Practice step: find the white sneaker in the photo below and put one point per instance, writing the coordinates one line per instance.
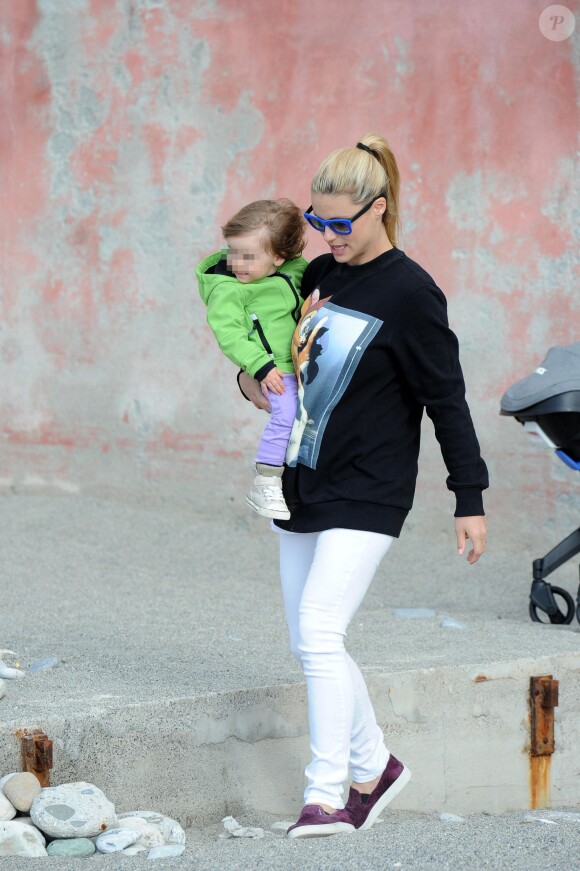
(266, 495)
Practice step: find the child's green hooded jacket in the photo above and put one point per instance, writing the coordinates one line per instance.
(253, 323)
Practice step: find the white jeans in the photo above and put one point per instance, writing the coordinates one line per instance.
(325, 576)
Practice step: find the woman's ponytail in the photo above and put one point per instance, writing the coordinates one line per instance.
(381, 150)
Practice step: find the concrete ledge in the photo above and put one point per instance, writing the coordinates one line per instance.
(464, 732)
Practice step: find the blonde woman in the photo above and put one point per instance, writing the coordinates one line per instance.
(382, 354)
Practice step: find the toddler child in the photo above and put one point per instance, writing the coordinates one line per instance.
(253, 304)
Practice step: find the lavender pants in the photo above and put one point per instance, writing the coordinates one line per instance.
(274, 441)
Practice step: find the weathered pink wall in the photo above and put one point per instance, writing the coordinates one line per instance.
(131, 128)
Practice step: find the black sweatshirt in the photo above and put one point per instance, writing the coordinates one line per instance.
(373, 348)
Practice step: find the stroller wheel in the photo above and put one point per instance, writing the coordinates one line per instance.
(539, 615)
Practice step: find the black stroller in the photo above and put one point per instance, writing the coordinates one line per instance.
(547, 403)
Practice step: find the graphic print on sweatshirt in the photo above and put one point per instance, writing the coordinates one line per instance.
(327, 345)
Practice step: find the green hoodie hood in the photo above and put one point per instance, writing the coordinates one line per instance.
(253, 323)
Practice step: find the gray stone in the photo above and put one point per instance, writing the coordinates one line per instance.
(166, 851)
(21, 790)
(7, 809)
(232, 829)
(26, 821)
(115, 840)
(7, 673)
(170, 829)
(19, 840)
(149, 834)
(73, 810)
(452, 623)
(43, 664)
(5, 779)
(71, 847)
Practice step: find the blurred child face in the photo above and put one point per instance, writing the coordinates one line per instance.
(248, 259)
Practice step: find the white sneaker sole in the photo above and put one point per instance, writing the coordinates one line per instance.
(386, 798)
(268, 512)
(320, 831)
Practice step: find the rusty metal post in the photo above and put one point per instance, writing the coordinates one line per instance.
(36, 754)
(543, 700)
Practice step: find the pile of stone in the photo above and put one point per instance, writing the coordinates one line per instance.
(77, 819)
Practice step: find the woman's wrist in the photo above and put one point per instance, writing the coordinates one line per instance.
(240, 373)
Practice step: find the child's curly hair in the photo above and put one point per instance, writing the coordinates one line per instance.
(282, 224)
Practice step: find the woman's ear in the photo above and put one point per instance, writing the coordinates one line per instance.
(380, 206)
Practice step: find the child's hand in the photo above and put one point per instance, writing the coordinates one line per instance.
(274, 382)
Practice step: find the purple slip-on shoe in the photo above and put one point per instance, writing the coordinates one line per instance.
(314, 822)
(393, 779)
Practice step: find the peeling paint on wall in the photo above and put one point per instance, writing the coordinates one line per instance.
(133, 128)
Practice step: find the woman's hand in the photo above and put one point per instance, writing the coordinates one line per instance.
(252, 391)
(273, 381)
(475, 529)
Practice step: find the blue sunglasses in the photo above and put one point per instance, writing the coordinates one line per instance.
(340, 226)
